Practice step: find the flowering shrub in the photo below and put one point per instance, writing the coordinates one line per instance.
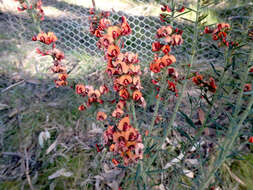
(136, 146)
(125, 72)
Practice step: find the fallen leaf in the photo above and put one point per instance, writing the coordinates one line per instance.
(61, 172)
(201, 115)
(43, 136)
(188, 173)
(174, 161)
(3, 106)
(52, 146)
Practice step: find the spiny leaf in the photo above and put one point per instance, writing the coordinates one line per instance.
(183, 133)
(188, 120)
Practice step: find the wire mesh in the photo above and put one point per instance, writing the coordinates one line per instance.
(69, 20)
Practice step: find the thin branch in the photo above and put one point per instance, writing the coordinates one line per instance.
(27, 170)
(11, 86)
(94, 4)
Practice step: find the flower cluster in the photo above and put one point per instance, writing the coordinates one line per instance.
(169, 37)
(57, 56)
(251, 139)
(123, 68)
(206, 85)
(247, 87)
(166, 8)
(37, 7)
(124, 140)
(94, 95)
(220, 34)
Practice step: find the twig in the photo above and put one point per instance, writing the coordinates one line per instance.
(11, 86)
(94, 4)
(12, 154)
(234, 176)
(27, 171)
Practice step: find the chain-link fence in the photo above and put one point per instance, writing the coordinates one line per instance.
(69, 20)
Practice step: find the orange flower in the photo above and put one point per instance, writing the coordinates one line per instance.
(117, 113)
(125, 80)
(223, 26)
(172, 86)
(95, 94)
(251, 69)
(139, 150)
(197, 79)
(122, 67)
(181, 9)
(168, 59)
(103, 89)
(116, 85)
(124, 124)
(161, 63)
(46, 38)
(134, 69)
(119, 138)
(23, 7)
(114, 32)
(154, 67)
(115, 162)
(60, 83)
(137, 95)
(165, 8)
(42, 53)
(112, 148)
(158, 119)
(124, 93)
(98, 34)
(88, 89)
(80, 89)
(247, 88)
(156, 46)
(251, 139)
(99, 149)
(101, 116)
(110, 70)
(207, 30)
(125, 28)
(172, 72)
(155, 82)
(164, 31)
(120, 105)
(131, 58)
(81, 107)
(166, 49)
(137, 82)
(108, 134)
(104, 23)
(177, 39)
(58, 69)
(113, 51)
(105, 41)
(62, 76)
(212, 87)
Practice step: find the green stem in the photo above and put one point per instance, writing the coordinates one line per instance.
(194, 47)
(215, 97)
(234, 129)
(226, 149)
(35, 20)
(134, 114)
(163, 82)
